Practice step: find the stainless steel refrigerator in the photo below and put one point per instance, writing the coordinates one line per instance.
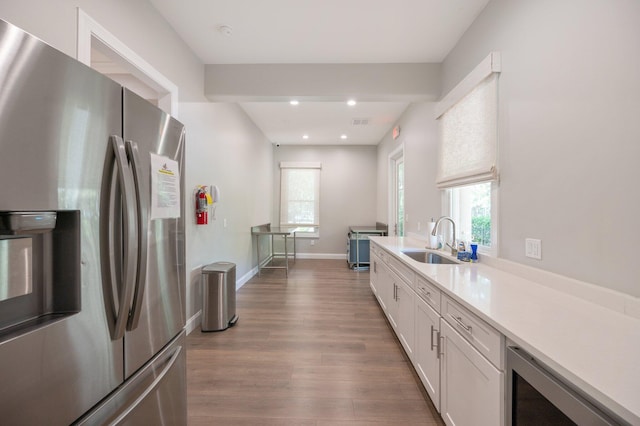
(91, 246)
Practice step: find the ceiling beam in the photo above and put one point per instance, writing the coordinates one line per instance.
(323, 82)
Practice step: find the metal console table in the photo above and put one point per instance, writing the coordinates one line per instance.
(284, 232)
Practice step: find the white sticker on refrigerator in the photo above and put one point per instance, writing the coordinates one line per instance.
(165, 188)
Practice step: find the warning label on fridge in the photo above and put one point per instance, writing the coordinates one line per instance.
(165, 188)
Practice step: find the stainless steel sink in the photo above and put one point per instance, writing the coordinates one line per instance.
(428, 257)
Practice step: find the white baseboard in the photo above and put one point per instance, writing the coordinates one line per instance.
(329, 256)
(246, 277)
(193, 322)
(326, 256)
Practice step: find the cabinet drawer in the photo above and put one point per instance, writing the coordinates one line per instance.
(383, 255)
(486, 339)
(428, 292)
(405, 272)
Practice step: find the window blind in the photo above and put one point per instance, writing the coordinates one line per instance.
(299, 194)
(468, 137)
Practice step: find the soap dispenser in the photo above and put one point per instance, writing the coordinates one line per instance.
(474, 252)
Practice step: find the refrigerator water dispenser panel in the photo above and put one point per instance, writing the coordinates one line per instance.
(39, 269)
(15, 267)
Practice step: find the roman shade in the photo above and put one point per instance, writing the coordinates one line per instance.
(467, 124)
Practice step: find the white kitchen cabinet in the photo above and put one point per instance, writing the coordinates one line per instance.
(404, 312)
(427, 360)
(373, 272)
(458, 356)
(471, 387)
(391, 294)
(484, 338)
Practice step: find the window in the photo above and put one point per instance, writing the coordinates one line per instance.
(473, 209)
(467, 171)
(300, 196)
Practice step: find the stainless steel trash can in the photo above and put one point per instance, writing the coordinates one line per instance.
(218, 296)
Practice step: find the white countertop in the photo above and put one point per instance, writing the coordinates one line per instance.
(595, 348)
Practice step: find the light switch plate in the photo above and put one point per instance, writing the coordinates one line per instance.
(533, 248)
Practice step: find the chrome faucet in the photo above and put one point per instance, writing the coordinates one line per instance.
(454, 250)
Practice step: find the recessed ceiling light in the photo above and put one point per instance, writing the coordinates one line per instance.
(343, 136)
(351, 102)
(305, 136)
(294, 102)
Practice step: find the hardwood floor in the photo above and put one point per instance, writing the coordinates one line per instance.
(313, 349)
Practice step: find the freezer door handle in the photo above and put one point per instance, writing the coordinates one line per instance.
(111, 245)
(142, 227)
(152, 387)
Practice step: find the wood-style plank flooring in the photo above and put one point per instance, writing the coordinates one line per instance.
(313, 349)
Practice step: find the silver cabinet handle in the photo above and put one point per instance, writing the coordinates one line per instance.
(461, 323)
(425, 292)
(440, 345)
(433, 345)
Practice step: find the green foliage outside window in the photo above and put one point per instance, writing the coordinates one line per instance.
(481, 230)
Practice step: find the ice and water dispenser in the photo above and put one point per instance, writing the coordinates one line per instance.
(39, 268)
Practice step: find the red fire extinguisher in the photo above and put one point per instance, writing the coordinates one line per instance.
(202, 213)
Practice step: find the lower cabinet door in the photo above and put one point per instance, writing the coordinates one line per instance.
(427, 360)
(471, 387)
(391, 294)
(405, 301)
(373, 273)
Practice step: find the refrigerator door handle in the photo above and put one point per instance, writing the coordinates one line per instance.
(141, 277)
(128, 274)
(156, 382)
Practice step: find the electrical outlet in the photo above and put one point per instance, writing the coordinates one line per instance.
(418, 225)
(312, 242)
(533, 248)
(224, 223)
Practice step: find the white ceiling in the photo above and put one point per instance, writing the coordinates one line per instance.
(321, 31)
(324, 122)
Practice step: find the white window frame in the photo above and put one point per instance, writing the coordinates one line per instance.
(489, 66)
(394, 156)
(447, 210)
(312, 166)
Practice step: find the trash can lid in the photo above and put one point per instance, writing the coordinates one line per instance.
(218, 267)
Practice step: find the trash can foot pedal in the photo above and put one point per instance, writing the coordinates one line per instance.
(233, 321)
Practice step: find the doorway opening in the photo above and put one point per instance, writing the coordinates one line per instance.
(102, 51)
(396, 193)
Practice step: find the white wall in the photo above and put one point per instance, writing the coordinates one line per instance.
(347, 193)
(418, 136)
(569, 132)
(135, 23)
(226, 149)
